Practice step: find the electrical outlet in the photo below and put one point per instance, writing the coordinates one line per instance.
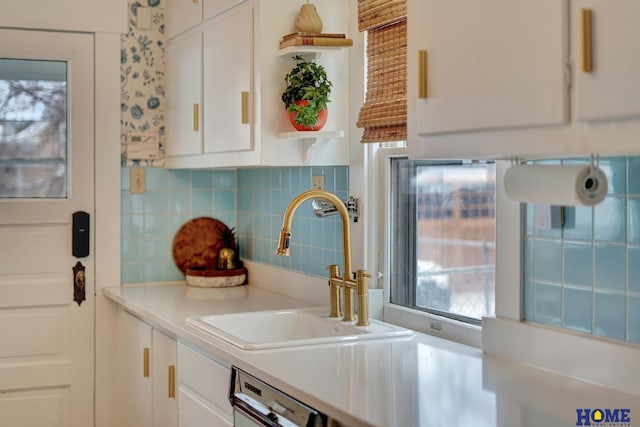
(317, 182)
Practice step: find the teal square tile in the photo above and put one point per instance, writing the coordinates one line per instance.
(611, 267)
(246, 201)
(634, 269)
(578, 261)
(225, 179)
(202, 203)
(277, 177)
(179, 202)
(124, 178)
(201, 179)
(528, 219)
(578, 309)
(155, 272)
(529, 300)
(243, 179)
(131, 203)
(296, 184)
(329, 179)
(132, 273)
(132, 226)
(317, 233)
(173, 273)
(305, 178)
(156, 250)
(179, 179)
(615, 169)
(155, 203)
(634, 220)
(633, 170)
(528, 258)
(578, 222)
(228, 218)
(548, 261)
(156, 226)
(634, 319)
(548, 309)
(156, 179)
(342, 178)
(224, 200)
(609, 312)
(132, 250)
(610, 220)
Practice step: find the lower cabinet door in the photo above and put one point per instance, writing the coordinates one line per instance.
(195, 413)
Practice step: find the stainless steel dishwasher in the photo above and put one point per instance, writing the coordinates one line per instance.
(256, 403)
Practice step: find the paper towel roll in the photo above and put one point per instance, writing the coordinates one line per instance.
(556, 185)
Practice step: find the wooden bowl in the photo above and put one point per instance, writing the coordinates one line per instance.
(206, 278)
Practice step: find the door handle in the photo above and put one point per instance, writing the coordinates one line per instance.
(586, 21)
(79, 282)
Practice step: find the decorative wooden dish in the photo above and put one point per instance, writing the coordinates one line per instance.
(198, 242)
(208, 278)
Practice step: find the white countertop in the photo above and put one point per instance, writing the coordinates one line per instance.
(421, 381)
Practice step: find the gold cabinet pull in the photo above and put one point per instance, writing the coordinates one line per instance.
(422, 74)
(172, 381)
(195, 1)
(586, 20)
(196, 117)
(245, 107)
(145, 362)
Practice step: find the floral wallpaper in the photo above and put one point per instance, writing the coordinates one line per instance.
(142, 66)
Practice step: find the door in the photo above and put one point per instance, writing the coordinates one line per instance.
(184, 115)
(494, 64)
(46, 168)
(610, 91)
(227, 81)
(163, 369)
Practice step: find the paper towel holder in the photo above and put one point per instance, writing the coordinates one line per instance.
(584, 184)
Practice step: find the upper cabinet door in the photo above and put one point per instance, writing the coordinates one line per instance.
(184, 111)
(611, 90)
(493, 64)
(182, 15)
(215, 7)
(227, 85)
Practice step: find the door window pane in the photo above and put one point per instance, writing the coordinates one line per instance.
(33, 129)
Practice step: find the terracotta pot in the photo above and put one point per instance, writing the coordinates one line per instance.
(322, 119)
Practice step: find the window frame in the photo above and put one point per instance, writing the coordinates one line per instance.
(381, 229)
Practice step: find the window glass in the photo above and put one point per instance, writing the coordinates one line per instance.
(443, 237)
(33, 129)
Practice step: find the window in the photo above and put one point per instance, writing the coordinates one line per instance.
(33, 129)
(442, 237)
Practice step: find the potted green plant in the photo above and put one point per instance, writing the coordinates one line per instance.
(307, 94)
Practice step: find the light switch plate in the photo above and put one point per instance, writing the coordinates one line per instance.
(137, 180)
(317, 182)
(143, 18)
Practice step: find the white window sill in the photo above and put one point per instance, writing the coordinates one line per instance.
(432, 324)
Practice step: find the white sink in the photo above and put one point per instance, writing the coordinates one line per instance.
(289, 328)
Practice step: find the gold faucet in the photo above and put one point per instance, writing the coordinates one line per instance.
(336, 281)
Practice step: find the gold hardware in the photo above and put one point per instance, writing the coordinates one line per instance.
(335, 280)
(172, 381)
(586, 20)
(145, 362)
(362, 287)
(245, 107)
(195, 1)
(422, 74)
(196, 117)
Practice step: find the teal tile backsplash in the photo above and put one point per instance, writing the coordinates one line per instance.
(150, 220)
(586, 276)
(252, 200)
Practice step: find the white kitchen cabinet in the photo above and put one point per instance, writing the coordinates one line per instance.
(241, 88)
(227, 66)
(612, 90)
(146, 375)
(184, 113)
(503, 78)
(203, 389)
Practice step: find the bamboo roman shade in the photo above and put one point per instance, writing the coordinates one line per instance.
(384, 113)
